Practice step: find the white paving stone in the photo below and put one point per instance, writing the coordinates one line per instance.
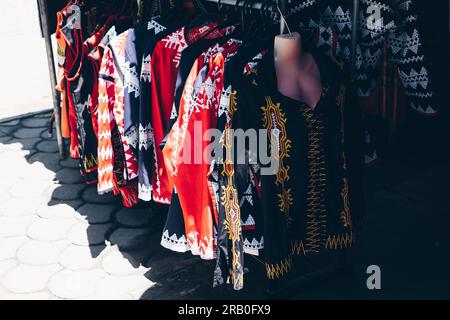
(50, 230)
(116, 287)
(81, 257)
(9, 246)
(5, 185)
(96, 213)
(69, 284)
(6, 265)
(9, 145)
(118, 264)
(17, 226)
(37, 172)
(26, 143)
(38, 253)
(137, 294)
(30, 189)
(29, 279)
(133, 217)
(43, 295)
(19, 207)
(59, 211)
(84, 234)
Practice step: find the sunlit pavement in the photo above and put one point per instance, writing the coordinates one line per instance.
(25, 82)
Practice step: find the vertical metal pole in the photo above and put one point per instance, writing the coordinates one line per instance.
(51, 67)
(355, 34)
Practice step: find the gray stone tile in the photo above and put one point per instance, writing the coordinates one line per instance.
(45, 115)
(130, 217)
(39, 253)
(121, 264)
(7, 130)
(29, 279)
(47, 146)
(68, 192)
(36, 122)
(91, 195)
(9, 246)
(96, 213)
(26, 144)
(50, 230)
(69, 176)
(44, 135)
(27, 133)
(70, 284)
(130, 239)
(81, 257)
(70, 163)
(11, 123)
(4, 140)
(50, 160)
(17, 226)
(83, 234)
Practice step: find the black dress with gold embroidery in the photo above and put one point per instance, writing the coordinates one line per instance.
(305, 204)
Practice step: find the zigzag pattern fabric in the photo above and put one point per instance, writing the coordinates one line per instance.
(394, 21)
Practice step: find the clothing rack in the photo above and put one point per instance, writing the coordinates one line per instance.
(45, 29)
(46, 34)
(282, 5)
(44, 20)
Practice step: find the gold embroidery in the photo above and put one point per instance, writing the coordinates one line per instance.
(286, 200)
(345, 214)
(316, 210)
(275, 271)
(298, 247)
(275, 122)
(90, 162)
(339, 241)
(229, 199)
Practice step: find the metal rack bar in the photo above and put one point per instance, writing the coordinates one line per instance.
(43, 14)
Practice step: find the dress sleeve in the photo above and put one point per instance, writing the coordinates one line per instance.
(105, 107)
(407, 52)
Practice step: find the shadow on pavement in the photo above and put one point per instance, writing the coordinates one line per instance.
(406, 232)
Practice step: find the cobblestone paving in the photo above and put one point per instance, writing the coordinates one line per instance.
(60, 240)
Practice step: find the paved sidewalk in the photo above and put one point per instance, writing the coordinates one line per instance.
(60, 240)
(23, 60)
